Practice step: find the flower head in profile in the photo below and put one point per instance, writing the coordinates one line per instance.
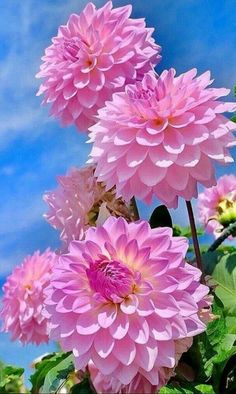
(161, 136)
(122, 297)
(217, 205)
(79, 202)
(23, 299)
(95, 54)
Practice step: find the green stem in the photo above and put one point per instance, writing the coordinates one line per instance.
(194, 236)
(230, 230)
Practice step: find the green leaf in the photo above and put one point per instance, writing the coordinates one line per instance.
(233, 118)
(58, 374)
(186, 231)
(187, 388)
(206, 346)
(160, 217)
(224, 367)
(83, 387)
(50, 365)
(210, 260)
(230, 324)
(224, 276)
(10, 379)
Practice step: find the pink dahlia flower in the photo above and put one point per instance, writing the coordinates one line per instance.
(79, 202)
(161, 136)
(122, 297)
(95, 54)
(217, 205)
(23, 299)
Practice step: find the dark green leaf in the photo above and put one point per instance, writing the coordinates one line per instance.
(160, 217)
(224, 276)
(210, 260)
(233, 118)
(224, 367)
(83, 387)
(44, 367)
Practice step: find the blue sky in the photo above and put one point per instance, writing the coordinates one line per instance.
(33, 147)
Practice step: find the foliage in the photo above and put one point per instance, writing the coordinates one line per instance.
(186, 231)
(11, 379)
(83, 387)
(212, 358)
(187, 388)
(224, 276)
(51, 372)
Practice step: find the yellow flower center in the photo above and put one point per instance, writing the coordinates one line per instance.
(226, 210)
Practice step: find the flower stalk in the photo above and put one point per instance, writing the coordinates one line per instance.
(194, 236)
(230, 230)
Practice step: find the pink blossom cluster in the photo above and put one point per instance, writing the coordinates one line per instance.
(121, 296)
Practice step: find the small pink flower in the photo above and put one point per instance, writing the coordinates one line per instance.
(23, 299)
(161, 136)
(122, 297)
(217, 205)
(79, 202)
(95, 54)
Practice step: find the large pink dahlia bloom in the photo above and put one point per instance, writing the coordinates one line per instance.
(122, 297)
(79, 202)
(23, 299)
(217, 205)
(95, 54)
(161, 136)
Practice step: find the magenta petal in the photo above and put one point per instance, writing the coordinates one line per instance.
(165, 305)
(160, 328)
(166, 353)
(147, 355)
(129, 306)
(182, 120)
(120, 326)
(87, 324)
(125, 350)
(87, 97)
(106, 315)
(125, 375)
(105, 365)
(103, 343)
(149, 174)
(139, 330)
(173, 141)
